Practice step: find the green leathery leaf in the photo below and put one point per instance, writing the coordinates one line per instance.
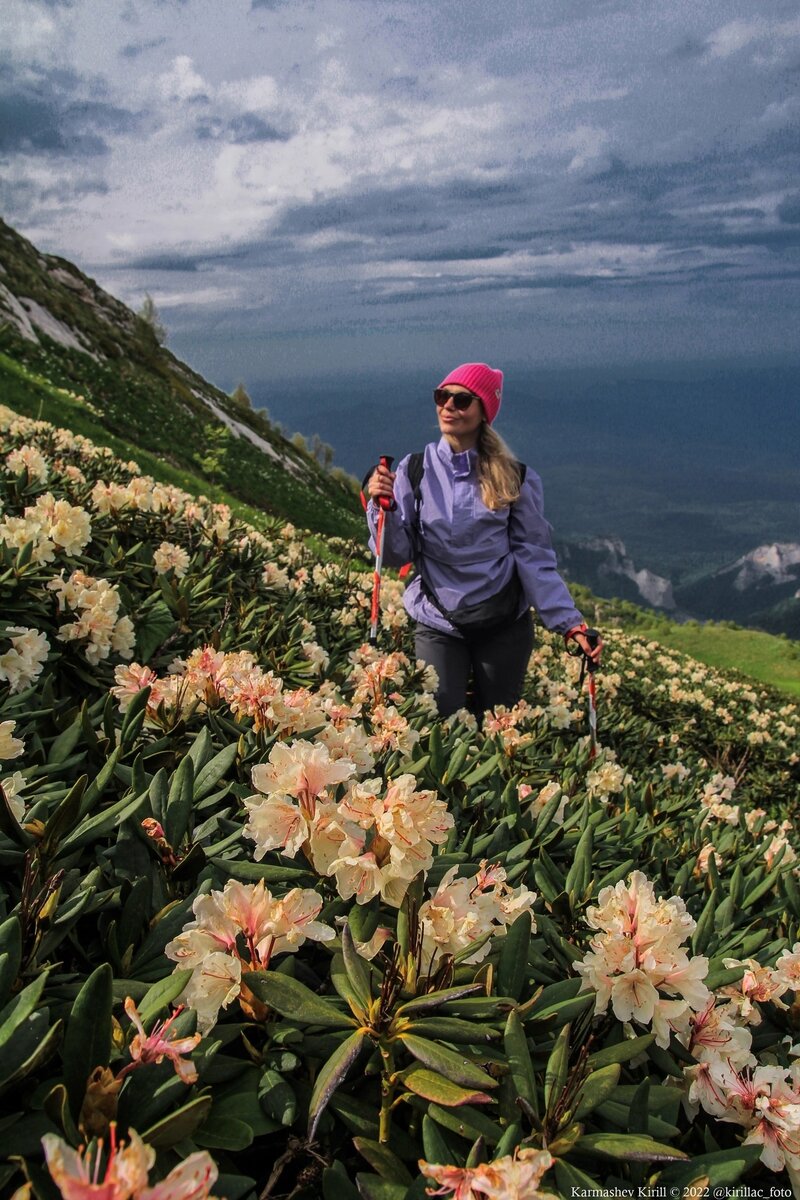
(336, 1184)
(10, 954)
(66, 742)
(574, 1182)
(179, 802)
(452, 1029)
(87, 1040)
(99, 784)
(20, 1008)
(456, 761)
(383, 1160)
(200, 750)
(440, 1090)
(436, 750)
(719, 1167)
(161, 994)
(158, 795)
(178, 1125)
(513, 965)
(373, 1187)
(434, 1000)
(294, 1000)
(207, 778)
(133, 719)
(721, 977)
(467, 1122)
(332, 1074)
(630, 1147)
(519, 1060)
(447, 1062)
(621, 1052)
(43, 1049)
(357, 970)
(56, 1105)
(596, 1088)
(102, 823)
(555, 1075)
(277, 1097)
(579, 874)
(705, 925)
(64, 817)
(434, 1144)
(483, 771)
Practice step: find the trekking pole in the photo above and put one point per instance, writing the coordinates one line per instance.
(592, 637)
(384, 505)
(588, 664)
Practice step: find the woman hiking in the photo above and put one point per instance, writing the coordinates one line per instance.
(470, 517)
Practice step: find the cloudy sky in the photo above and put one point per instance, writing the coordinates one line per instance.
(311, 185)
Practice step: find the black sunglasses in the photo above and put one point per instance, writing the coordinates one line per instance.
(461, 400)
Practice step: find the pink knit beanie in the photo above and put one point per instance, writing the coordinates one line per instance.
(484, 381)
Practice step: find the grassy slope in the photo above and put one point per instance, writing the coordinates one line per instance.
(762, 656)
(773, 660)
(35, 396)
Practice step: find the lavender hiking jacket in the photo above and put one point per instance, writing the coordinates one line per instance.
(467, 551)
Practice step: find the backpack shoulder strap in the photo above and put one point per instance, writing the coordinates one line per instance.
(416, 469)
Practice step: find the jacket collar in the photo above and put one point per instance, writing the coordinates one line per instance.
(462, 462)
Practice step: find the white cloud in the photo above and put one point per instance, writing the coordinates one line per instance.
(251, 95)
(182, 82)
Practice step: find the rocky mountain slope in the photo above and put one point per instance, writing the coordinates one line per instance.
(62, 328)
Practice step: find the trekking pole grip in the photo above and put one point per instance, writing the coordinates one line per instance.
(593, 637)
(386, 461)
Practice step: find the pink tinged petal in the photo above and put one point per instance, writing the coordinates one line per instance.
(633, 997)
(193, 1179)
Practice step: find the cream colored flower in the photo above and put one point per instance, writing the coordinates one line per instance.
(10, 747)
(22, 664)
(170, 557)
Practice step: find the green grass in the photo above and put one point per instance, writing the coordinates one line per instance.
(773, 660)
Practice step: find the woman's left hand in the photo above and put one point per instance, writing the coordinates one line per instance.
(592, 652)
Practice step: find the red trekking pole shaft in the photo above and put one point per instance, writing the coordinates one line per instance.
(384, 505)
(592, 637)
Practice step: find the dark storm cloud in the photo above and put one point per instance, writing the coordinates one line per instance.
(239, 130)
(788, 210)
(369, 212)
(32, 126)
(135, 49)
(49, 115)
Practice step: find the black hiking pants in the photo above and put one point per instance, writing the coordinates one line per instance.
(494, 664)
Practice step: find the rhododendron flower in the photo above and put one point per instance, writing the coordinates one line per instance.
(169, 557)
(96, 605)
(514, 1177)
(30, 460)
(22, 664)
(304, 770)
(787, 969)
(757, 986)
(10, 747)
(607, 780)
(713, 1036)
(12, 785)
(636, 962)
(157, 1045)
(240, 928)
(464, 911)
(76, 1173)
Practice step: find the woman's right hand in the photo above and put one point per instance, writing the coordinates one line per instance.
(381, 484)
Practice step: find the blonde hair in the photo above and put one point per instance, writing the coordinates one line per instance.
(498, 470)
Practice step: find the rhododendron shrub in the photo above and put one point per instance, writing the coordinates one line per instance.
(266, 922)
